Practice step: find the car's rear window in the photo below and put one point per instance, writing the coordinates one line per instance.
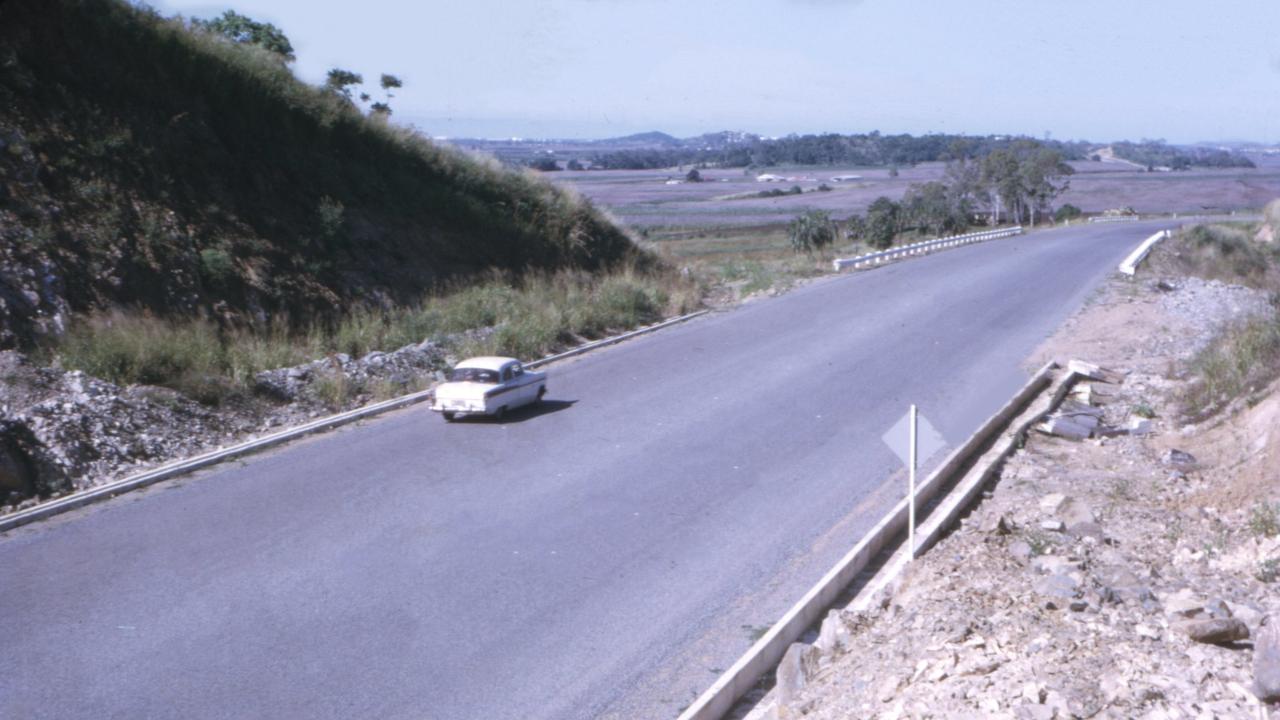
(475, 375)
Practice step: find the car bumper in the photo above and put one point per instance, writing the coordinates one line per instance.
(459, 407)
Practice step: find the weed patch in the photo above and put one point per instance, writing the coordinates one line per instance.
(1240, 359)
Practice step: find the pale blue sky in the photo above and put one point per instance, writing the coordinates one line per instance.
(1093, 69)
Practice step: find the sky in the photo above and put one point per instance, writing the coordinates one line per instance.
(1099, 70)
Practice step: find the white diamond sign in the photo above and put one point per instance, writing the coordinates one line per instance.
(928, 440)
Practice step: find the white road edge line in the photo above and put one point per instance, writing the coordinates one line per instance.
(181, 467)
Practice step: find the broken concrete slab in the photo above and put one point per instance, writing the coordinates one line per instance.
(1094, 372)
(1064, 428)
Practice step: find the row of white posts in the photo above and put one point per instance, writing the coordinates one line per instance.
(922, 247)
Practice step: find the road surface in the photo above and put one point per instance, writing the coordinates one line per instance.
(604, 556)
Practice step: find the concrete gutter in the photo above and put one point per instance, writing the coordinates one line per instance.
(966, 490)
(182, 467)
(765, 654)
(1130, 264)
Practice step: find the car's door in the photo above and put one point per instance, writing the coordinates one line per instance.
(507, 391)
(528, 391)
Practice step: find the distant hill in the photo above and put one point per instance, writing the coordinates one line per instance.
(144, 164)
(646, 138)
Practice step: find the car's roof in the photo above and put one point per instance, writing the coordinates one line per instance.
(486, 362)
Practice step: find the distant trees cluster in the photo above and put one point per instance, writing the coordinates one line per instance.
(544, 163)
(1017, 183)
(875, 149)
(1157, 153)
(871, 149)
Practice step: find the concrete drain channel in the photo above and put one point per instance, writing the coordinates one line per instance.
(881, 555)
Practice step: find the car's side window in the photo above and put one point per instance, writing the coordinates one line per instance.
(517, 370)
(506, 373)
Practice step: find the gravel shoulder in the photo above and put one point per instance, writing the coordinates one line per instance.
(1121, 577)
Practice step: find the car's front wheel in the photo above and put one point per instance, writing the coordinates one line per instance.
(448, 416)
(542, 392)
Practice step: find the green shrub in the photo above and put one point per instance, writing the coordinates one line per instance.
(216, 265)
(811, 231)
(1264, 519)
(1067, 212)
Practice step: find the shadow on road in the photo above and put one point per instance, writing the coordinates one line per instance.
(519, 415)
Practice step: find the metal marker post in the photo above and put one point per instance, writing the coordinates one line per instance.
(911, 490)
(912, 438)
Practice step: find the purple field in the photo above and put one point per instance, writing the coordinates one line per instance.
(642, 198)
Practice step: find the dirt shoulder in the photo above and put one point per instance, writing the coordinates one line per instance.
(1107, 577)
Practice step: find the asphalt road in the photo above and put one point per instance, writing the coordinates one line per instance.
(607, 555)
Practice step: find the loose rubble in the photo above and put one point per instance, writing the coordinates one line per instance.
(1112, 571)
(62, 431)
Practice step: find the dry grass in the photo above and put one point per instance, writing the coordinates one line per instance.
(523, 317)
(1244, 357)
(1240, 361)
(1225, 252)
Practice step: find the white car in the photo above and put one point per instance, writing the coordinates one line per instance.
(488, 386)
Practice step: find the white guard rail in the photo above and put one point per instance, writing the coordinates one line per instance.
(922, 247)
(1130, 264)
(1114, 218)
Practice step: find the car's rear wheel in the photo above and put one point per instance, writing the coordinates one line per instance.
(500, 414)
(448, 416)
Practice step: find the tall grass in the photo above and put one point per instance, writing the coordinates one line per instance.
(1241, 359)
(1225, 252)
(519, 316)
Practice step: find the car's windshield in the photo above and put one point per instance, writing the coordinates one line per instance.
(475, 375)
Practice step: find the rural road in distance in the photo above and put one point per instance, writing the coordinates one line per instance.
(606, 556)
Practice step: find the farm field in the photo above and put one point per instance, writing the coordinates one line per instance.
(726, 199)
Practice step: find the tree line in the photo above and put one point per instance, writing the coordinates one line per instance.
(1158, 153)
(1013, 184)
(874, 149)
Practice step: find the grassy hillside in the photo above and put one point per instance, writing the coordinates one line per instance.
(146, 166)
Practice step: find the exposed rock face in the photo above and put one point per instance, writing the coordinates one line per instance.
(33, 300)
